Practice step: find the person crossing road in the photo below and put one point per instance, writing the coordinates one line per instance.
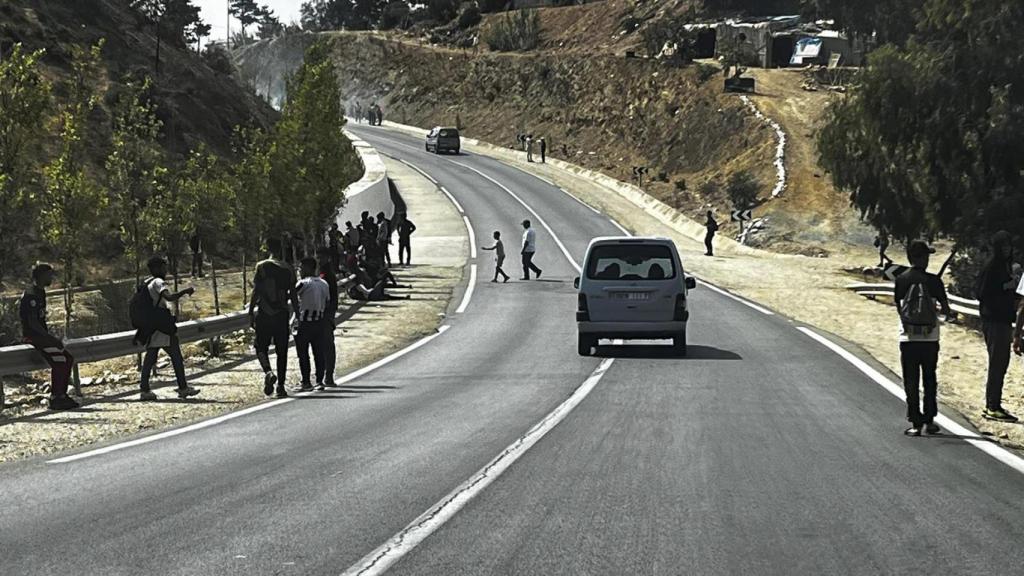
(528, 251)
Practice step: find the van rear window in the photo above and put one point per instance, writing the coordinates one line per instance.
(631, 262)
(449, 133)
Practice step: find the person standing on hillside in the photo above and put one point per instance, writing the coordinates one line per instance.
(313, 295)
(405, 231)
(35, 332)
(916, 294)
(499, 256)
(712, 227)
(995, 292)
(161, 296)
(529, 249)
(273, 297)
(543, 150)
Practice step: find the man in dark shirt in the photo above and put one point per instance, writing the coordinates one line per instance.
(330, 322)
(996, 296)
(273, 297)
(712, 227)
(919, 343)
(405, 231)
(32, 312)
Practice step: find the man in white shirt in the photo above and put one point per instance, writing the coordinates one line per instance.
(161, 296)
(529, 248)
(313, 295)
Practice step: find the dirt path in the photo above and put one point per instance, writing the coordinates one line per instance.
(234, 380)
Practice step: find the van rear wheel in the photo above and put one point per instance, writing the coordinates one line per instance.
(679, 344)
(585, 345)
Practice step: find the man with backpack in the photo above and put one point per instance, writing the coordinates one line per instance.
(32, 312)
(996, 298)
(273, 298)
(157, 328)
(314, 296)
(709, 238)
(917, 292)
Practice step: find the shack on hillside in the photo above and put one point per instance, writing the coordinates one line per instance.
(776, 42)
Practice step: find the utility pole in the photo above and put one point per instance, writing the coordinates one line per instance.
(227, 36)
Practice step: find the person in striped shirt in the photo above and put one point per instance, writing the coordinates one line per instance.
(313, 298)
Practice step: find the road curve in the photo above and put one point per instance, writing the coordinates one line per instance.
(762, 452)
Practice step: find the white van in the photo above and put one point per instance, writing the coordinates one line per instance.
(632, 288)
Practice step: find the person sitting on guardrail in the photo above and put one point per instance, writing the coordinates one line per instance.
(330, 319)
(273, 297)
(995, 292)
(313, 295)
(916, 295)
(165, 335)
(35, 332)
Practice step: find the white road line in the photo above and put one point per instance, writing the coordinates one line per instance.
(576, 198)
(472, 237)
(378, 561)
(240, 413)
(416, 168)
(454, 201)
(554, 236)
(469, 290)
(980, 442)
(620, 227)
(760, 309)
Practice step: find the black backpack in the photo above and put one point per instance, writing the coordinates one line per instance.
(146, 315)
(917, 310)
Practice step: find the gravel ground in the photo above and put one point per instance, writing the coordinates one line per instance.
(234, 380)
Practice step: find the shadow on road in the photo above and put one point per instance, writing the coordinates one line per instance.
(655, 352)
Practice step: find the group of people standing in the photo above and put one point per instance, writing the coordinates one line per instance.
(526, 143)
(372, 114)
(527, 251)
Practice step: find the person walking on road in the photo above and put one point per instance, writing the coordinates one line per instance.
(273, 298)
(916, 294)
(995, 290)
(712, 227)
(543, 150)
(330, 320)
(163, 337)
(529, 249)
(406, 228)
(499, 257)
(313, 295)
(35, 332)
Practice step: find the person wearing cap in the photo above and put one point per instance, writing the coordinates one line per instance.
(996, 298)
(161, 296)
(917, 291)
(34, 331)
(529, 249)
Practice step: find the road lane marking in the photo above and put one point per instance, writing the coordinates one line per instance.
(378, 561)
(231, 416)
(727, 294)
(576, 198)
(620, 227)
(987, 446)
(454, 201)
(554, 236)
(472, 237)
(469, 290)
(416, 168)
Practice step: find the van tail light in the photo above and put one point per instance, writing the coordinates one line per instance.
(681, 314)
(582, 311)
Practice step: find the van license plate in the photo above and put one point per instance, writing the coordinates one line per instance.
(631, 295)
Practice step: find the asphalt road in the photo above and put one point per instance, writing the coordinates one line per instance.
(760, 453)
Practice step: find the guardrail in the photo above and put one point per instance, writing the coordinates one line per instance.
(957, 304)
(24, 358)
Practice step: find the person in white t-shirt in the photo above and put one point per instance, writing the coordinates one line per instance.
(313, 296)
(162, 296)
(529, 249)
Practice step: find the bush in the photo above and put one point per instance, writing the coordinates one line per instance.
(514, 31)
(742, 190)
(469, 17)
(706, 72)
(395, 15)
(443, 11)
(488, 6)
(218, 59)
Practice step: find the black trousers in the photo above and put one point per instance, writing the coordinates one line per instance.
(404, 248)
(149, 361)
(330, 352)
(919, 361)
(709, 243)
(311, 335)
(273, 329)
(529, 265)
(998, 337)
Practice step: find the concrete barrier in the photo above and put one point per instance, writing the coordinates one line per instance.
(371, 192)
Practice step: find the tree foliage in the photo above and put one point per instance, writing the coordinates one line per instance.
(25, 102)
(891, 20)
(931, 141)
(514, 31)
(742, 190)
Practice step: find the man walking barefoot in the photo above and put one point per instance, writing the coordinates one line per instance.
(499, 256)
(529, 249)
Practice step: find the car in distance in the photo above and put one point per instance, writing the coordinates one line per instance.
(632, 288)
(443, 140)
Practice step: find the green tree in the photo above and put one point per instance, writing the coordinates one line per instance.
(892, 21)
(24, 105)
(248, 12)
(71, 200)
(134, 166)
(254, 206)
(394, 15)
(270, 25)
(312, 162)
(742, 190)
(931, 141)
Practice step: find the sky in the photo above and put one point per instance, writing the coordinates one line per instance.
(215, 13)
